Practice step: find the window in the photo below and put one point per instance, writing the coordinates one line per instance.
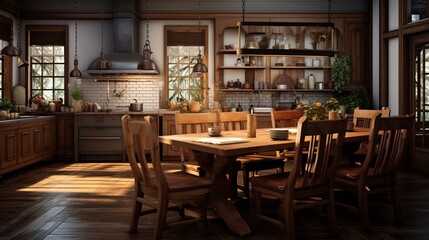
(417, 10)
(183, 43)
(1, 71)
(48, 54)
(47, 71)
(5, 61)
(422, 97)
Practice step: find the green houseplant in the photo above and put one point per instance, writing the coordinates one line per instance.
(356, 98)
(76, 96)
(341, 69)
(5, 104)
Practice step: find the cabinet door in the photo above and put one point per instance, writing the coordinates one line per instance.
(25, 141)
(49, 143)
(65, 137)
(30, 143)
(37, 149)
(9, 149)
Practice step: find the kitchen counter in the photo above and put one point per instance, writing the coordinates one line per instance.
(24, 119)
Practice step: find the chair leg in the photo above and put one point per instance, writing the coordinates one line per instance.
(396, 203)
(160, 218)
(203, 209)
(257, 197)
(332, 214)
(246, 183)
(135, 215)
(289, 220)
(363, 208)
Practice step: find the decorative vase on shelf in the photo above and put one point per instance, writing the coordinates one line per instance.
(3, 114)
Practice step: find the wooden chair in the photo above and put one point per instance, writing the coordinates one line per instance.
(282, 119)
(362, 118)
(153, 187)
(285, 118)
(378, 174)
(193, 123)
(308, 184)
(252, 163)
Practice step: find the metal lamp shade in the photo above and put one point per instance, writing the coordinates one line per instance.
(10, 50)
(147, 63)
(22, 62)
(75, 72)
(199, 67)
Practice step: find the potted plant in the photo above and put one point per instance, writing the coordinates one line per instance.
(341, 69)
(357, 98)
(5, 107)
(76, 99)
(197, 95)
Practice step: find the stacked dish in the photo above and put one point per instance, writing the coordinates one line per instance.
(279, 133)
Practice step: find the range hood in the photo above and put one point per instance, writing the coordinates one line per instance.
(125, 59)
(122, 64)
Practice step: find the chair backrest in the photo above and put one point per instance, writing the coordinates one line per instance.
(194, 122)
(387, 141)
(232, 120)
(323, 140)
(138, 136)
(285, 118)
(362, 117)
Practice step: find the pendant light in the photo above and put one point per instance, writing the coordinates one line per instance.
(103, 62)
(21, 59)
(146, 63)
(75, 72)
(10, 50)
(199, 67)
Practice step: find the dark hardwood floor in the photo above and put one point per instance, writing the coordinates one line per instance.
(93, 201)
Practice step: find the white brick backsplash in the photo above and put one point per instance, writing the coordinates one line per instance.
(145, 90)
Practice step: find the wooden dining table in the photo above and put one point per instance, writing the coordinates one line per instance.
(218, 159)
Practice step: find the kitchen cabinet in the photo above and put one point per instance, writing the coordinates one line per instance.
(99, 137)
(49, 140)
(30, 143)
(65, 136)
(9, 156)
(26, 141)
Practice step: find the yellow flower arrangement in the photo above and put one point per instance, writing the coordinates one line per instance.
(332, 104)
(319, 111)
(314, 111)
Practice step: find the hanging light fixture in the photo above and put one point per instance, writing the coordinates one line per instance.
(75, 72)
(10, 50)
(103, 62)
(199, 67)
(21, 59)
(146, 63)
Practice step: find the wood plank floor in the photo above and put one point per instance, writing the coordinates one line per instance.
(93, 201)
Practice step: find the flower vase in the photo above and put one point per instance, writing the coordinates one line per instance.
(332, 115)
(195, 107)
(77, 105)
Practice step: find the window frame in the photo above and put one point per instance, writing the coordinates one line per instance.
(204, 77)
(47, 28)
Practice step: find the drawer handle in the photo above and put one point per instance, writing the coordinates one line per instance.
(100, 138)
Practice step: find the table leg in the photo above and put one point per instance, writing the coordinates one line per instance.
(219, 195)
